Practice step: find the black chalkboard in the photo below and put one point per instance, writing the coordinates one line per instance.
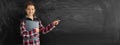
(83, 22)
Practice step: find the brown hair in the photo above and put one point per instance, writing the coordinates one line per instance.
(29, 3)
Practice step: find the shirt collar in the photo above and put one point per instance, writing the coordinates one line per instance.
(34, 18)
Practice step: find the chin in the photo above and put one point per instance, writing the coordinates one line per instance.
(30, 14)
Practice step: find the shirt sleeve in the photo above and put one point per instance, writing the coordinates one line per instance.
(25, 33)
(46, 29)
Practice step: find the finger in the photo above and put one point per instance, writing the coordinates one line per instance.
(58, 20)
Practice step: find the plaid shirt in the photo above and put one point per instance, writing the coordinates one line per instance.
(32, 37)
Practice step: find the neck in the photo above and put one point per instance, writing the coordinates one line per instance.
(31, 17)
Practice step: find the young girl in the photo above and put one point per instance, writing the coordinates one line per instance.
(31, 36)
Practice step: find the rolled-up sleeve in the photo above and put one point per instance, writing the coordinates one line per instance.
(46, 29)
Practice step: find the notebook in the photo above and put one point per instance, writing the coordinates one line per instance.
(30, 25)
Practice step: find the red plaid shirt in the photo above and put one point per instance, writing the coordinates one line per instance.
(28, 36)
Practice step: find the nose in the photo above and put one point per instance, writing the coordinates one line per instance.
(30, 11)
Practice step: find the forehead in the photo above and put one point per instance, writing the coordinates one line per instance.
(30, 6)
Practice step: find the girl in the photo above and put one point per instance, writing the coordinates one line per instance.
(31, 36)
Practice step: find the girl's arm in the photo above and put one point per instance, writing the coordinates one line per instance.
(46, 29)
(25, 33)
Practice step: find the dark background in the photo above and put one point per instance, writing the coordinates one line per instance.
(83, 22)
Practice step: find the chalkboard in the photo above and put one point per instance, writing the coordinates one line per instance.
(83, 22)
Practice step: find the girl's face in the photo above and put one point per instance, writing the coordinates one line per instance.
(30, 10)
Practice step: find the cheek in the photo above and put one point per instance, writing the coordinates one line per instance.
(33, 11)
(27, 11)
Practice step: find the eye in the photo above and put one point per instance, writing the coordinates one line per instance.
(28, 8)
(33, 9)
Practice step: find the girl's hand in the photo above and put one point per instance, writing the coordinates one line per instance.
(56, 22)
(37, 30)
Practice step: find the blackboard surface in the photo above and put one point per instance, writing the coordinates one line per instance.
(83, 22)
